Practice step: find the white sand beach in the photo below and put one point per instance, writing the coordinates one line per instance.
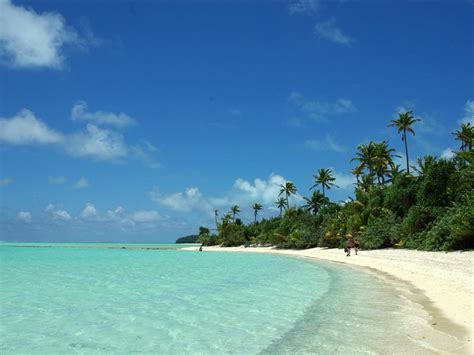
(446, 279)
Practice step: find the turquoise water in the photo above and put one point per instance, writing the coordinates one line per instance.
(101, 300)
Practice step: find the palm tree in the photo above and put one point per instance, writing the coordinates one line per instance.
(357, 172)
(396, 171)
(466, 136)
(383, 160)
(256, 207)
(216, 214)
(365, 156)
(366, 182)
(204, 230)
(224, 225)
(281, 204)
(288, 188)
(325, 179)
(424, 164)
(315, 202)
(235, 210)
(404, 122)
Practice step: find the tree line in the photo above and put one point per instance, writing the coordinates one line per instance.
(428, 206)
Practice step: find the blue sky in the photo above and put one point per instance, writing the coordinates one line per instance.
(133, 121)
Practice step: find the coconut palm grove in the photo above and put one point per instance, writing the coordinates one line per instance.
(428, 205)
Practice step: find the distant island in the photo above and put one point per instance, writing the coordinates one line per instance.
(187, 239)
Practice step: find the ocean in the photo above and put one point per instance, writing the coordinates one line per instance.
(137, 298)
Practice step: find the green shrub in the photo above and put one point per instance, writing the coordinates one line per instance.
(378, 233)
(418, 218)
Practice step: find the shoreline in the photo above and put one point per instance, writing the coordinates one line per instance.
(446, 280)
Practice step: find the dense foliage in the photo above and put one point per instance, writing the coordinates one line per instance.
(430, 207)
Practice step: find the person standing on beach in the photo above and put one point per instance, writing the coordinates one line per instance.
(347, 248)
(356, 245)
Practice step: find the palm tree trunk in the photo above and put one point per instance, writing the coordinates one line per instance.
(406, 150)
(255, 217)
(324, 195)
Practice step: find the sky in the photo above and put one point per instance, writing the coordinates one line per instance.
(132, 121)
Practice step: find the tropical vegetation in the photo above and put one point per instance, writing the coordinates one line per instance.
(428, 206)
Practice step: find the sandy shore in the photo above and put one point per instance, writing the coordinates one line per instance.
(447, 279)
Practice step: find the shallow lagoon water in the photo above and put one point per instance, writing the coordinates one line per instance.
(98, 299)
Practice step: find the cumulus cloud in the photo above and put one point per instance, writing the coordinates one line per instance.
(25, 128)
(242, 193)
(79, 112)
(31, 39)
(89, 212)
(190, 199)
(92, 141)
(81, 183)
(57, 213)
(448, 153)
(468, 112)
(326, 144)
(299, 7)
(6, 181)
(97, 143)
(321, 111)
(116, 213)
(61, 215)
(25, 216)
(148, 217)
(144, 216)
(329, 30)
(344, 181)
(56, 180)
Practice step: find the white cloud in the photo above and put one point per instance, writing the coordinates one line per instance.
(328, 30)
(30, 39)
(25, 128)
(6, 181)
(469, 112)
(242, 193)
(56, 180)
(116, 214)
(299, 7)
(320, 110)
(89, 212)
(93, 142)
(61, 215)
(57, 213)
(49, 207)
(25, 216)
(344, 181)
(144, 216)
(190, 199)
(119, 120)
(81, 183)
(448, 153)
(326, 144)
(264, 191)
(98, 143)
